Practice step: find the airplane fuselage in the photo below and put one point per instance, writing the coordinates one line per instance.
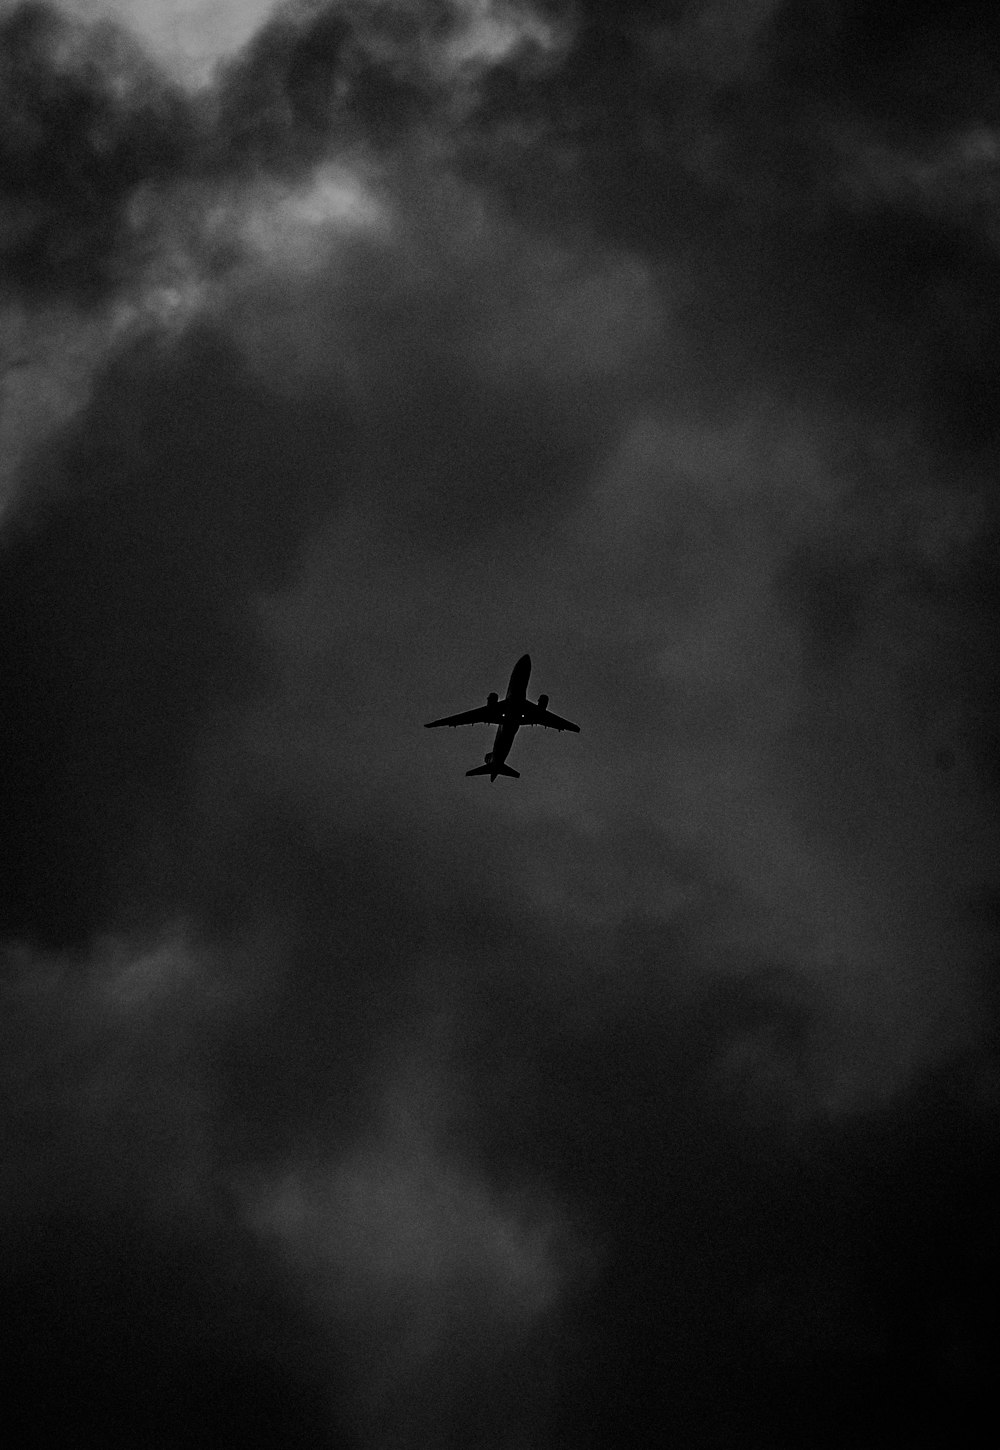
(512, 707)
(508, 714)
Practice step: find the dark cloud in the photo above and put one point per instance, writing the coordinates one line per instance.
(128, 583)
(911, 67)
(313, 72)
(835, 252)
(152, 1333)
(652, 1095)
(86, 119)
(137, 1299)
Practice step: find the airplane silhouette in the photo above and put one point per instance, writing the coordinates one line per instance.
(510, 714)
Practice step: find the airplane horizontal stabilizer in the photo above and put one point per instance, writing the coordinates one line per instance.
(495, 770)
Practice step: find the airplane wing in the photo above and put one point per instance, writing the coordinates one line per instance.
(534, 716)
(485, 715)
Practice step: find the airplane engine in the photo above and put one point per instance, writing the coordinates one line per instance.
(491, 699)
(543, 702)
(487, 758)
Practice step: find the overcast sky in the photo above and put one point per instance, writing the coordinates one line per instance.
(350, 351)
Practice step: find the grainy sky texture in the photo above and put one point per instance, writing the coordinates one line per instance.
(351, 350)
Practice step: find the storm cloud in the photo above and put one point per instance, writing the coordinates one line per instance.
(353, 350)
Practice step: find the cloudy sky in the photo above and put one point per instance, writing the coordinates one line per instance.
(350, 350)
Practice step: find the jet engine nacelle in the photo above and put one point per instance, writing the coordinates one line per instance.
(491, 699)
(543, 702)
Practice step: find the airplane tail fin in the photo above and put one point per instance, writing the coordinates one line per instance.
(494, 770)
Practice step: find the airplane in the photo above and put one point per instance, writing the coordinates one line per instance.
(509, 714)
